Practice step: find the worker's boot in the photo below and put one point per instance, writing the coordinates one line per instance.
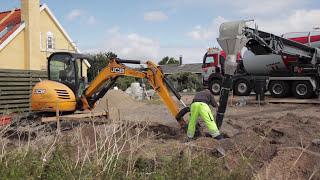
(219, 137)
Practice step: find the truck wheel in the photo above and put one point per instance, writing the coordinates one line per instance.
(279, 89)
(215, 87)
(302, 89)
(242, 87)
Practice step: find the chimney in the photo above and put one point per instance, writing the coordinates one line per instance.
(30, 14)
(180, 60)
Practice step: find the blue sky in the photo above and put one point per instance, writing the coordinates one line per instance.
(152, 29)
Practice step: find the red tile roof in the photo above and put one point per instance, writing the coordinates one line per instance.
(14, 18)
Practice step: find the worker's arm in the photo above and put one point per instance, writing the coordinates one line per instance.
(213, 101)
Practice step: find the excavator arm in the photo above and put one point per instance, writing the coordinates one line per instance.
(154, 75)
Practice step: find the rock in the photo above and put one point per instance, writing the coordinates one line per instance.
(304, 120)
(221, 151)
(316, 142)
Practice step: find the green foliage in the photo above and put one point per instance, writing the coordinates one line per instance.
(185, 80)
(167, 60)
(62, 164)
(202, 166)
(100, 61)
(125, 81)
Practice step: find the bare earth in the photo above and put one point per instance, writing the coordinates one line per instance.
(272, 141)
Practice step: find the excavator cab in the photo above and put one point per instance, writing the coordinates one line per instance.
(66, 68)
(65, 84)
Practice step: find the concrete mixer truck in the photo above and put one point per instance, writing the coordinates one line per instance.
(303, 69)
(283, 75)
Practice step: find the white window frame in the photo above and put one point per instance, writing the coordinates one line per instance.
(50, 40)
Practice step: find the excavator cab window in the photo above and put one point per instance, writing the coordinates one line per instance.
(63, 68)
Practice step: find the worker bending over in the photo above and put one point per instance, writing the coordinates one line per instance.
(200, 106)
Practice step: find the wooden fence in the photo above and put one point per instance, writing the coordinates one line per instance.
(15, 89)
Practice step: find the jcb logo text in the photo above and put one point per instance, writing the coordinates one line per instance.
(117, 70)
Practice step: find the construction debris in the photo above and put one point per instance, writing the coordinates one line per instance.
(316, 142)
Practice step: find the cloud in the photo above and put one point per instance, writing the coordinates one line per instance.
(73, 14)
(91, 20)
(135, 46)
(155, 15)
(264, 8)
(113, 30)
(129, 46)
(77, 13)
(207, 32)
(297, 20)
(189, 55)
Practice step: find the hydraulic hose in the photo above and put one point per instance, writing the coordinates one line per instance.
(224, 95)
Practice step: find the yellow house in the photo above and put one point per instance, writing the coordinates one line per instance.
(29, 35)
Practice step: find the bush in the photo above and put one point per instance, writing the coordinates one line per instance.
(30, 165)
(185, 80)
(104, 152)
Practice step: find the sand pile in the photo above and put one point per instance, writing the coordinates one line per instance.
(117, 100)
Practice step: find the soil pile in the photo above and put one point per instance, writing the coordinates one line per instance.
(117, 99)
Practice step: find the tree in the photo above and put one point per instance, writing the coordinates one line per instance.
(167, 60)
(100, 61)
(185, 80)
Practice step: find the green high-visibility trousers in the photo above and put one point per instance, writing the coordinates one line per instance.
(202, 109)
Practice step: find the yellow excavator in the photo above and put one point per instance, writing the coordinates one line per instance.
(67, 85)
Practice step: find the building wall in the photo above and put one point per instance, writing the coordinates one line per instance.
(61, 42)
(12, 55)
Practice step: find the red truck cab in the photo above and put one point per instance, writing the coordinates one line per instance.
(213, 69)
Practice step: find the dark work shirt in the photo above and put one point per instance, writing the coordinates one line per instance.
(205, 97)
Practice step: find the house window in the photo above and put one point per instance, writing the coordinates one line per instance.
(50, 40)
(6, 30)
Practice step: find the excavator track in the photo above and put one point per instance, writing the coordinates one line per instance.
(29, 126)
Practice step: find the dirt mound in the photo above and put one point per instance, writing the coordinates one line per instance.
(291, 163)
(117, 99)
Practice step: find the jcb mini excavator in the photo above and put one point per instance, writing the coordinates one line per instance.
(67, 86)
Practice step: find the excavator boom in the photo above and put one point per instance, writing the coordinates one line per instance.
(154, 75)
